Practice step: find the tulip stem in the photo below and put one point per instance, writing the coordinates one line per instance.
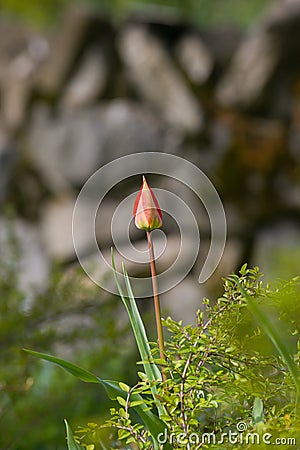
(160, 336)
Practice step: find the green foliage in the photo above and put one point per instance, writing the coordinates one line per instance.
(71, 317)
(115, 391)
(199, 12)
(222, 373)
(34, 11)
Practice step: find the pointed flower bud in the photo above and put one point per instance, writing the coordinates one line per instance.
(146, 210)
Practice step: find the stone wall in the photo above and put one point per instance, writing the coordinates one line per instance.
(94, 91)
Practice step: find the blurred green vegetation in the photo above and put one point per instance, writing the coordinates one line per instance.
(197, 12)
(34, 12)
(283, 263)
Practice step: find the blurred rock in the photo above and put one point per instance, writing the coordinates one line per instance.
(7, 162)
(14, 37)
(89, 80)
(21, 246)
(175, 209)
(250, 70)
(56, 226)
(268, 46)
(21, 52)
(157, 80)
(65, 148)
(220, 135)
(80, 26)
(130, 127)
(16, 90)
(70, 146)
(195, 58)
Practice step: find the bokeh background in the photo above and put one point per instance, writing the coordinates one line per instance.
(83, 83)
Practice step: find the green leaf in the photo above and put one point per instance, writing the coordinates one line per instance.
(121, 401)
(123, 434)
(154, 424)
(151, 369)
(136, 403)
(72, 444)
(124, 387)
(257, 411)
(144, 342)
(76, 371)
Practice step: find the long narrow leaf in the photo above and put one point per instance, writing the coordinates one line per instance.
(113, 390)
(137, 325)
(76, 371)
(72, 444)
(152, 371)
(140, 325)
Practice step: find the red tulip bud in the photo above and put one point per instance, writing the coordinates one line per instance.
(146, 210)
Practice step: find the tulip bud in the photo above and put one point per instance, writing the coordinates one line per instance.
(146, 210)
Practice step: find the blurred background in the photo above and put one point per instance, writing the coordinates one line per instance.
(83, 83)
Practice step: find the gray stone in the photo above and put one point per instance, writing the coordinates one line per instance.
(157, 80)
(16, 90)
(14, 37)
(65, 148)
(130, 127)
(193, 202)
(265, 50)
(195, 58)
(65, 48)
(69, 147)
(89, 80)
(17, 76)
(56, 228)
(250, 70)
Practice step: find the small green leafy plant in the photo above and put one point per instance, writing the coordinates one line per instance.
(238, 367)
